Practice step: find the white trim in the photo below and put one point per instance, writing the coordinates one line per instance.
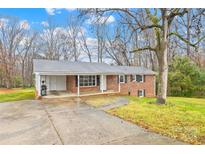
(76, 73)
(133, 76)
(78, 85)
(141, 76)
(123, 78)
(91, 85)
(143, 92)
(38, 83)
(119, 87)
(102, 86)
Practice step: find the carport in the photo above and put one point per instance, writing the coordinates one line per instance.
(61, 85)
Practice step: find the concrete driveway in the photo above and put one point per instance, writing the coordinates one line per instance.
(68, 121)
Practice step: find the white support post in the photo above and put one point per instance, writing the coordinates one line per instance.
(38, 84)
(102, 86)
(119, 84)
(78, 85)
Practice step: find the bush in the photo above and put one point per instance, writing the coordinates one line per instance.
(17, 81)
(185, 78)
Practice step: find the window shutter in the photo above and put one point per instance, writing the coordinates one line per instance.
(76, 81)
(125, 78)
(118, 80)
(144, 93)
(98, 80)
(143, 78)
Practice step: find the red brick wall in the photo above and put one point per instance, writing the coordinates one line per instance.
(112, 84)
(132, 86)
(71, 86)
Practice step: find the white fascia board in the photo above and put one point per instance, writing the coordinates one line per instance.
(97, 73)
(72, 73)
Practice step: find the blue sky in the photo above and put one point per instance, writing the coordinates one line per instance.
(36, 19)
(35, 16)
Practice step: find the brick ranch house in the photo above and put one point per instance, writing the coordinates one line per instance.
(81, 78)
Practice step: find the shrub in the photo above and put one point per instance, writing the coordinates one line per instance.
(185, 78)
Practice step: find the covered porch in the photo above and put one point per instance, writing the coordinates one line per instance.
(71, 85)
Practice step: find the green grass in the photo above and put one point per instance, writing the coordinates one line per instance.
(181, 118)
(20, 94)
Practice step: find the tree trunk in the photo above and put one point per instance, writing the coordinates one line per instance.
(163, 76)
(163, 64)
(188, 34)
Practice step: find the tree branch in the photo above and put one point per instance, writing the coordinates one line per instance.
(176, 12)
(149, 27)
(185, 40)
(144, 49)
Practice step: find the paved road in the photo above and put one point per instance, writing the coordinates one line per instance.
(68, 121)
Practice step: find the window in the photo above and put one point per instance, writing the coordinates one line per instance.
(88, 80)
(141, 93)
(122, 79)
(139, 78)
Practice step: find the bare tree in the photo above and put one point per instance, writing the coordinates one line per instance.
(24, 52)
(117, 46)
(158, 21)
(74, 30)
(85, 46)
(11, 34)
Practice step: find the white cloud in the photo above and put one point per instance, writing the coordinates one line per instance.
(24, 24)
(45, 24)
(50, 11)
(70, 9)
(110, 19)
(91, 41)
(3, 22)
(101, 20)
(53, 11)
(60, 31)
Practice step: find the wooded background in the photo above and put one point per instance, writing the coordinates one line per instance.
(129, 41)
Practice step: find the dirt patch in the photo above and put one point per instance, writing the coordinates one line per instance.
(7, 91)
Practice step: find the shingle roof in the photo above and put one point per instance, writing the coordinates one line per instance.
(66, 67)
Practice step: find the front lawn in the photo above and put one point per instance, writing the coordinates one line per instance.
(181, 118)
(7, 95)
(99, 100)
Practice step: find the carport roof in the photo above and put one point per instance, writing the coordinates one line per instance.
(65, 67)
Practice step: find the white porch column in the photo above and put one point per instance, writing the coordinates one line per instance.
(102, 86)
(119, 84)
(38, 83)
(78, 85)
